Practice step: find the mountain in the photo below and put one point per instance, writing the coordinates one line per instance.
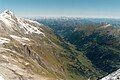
(58, 48)
(32, 51)
(28, 50)
(97, 39)
(24, 46)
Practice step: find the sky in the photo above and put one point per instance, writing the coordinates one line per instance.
(56, 8)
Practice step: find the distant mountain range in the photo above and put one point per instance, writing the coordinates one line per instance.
(97, 39)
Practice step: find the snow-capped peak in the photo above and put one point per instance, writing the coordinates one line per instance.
(13, 23)
(8, 12)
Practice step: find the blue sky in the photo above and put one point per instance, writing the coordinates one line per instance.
(80, 8)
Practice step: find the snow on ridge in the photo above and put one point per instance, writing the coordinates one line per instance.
(11, 21)
(8, 12)
(22, 40)
(32, 21)
(6, 21)
(9, 16)
(29, 28)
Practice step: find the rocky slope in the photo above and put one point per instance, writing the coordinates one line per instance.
(26, 50)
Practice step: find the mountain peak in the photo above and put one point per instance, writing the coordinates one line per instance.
(8, 12)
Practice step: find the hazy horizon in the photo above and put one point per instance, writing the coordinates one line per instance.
(58, 8)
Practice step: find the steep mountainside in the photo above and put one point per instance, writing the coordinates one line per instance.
(26, 52)
(31, 51)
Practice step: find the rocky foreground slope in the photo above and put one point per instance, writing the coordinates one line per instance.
(26, 50)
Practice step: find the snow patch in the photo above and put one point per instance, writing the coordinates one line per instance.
(29, 28)
(5, 21)
(4, 40)
(1, 78)
(22, 40)
(105, 26)
(32, 21)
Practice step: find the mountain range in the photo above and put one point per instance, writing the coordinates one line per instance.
(58, 48)
(97, 39)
